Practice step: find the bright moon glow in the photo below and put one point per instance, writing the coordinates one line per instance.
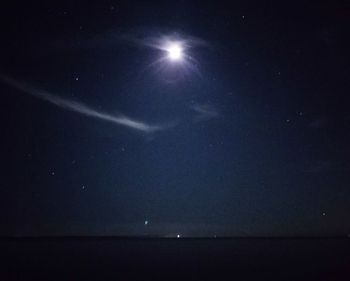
(174, 51)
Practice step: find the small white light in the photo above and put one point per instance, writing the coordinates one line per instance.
(174, 51)
(178, 236)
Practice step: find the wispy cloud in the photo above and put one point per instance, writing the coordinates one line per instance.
(204, 112)
(319, 167)
(318, 123)
(81, 108)
(149, 37)
(326, 166)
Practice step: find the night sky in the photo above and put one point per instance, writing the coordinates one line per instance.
(104, 133)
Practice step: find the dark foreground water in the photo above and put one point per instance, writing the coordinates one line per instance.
(174, 259)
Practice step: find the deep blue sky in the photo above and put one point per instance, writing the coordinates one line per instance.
(255, 141)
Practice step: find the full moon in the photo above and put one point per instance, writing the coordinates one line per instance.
(174, 51)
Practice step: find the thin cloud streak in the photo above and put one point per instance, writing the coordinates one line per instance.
(204, 112)
(80, 107)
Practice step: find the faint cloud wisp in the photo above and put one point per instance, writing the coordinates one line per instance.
(81, 108)
(204, 112)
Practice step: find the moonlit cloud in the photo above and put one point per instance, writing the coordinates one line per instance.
(179, 63)
(324, 166)
(157, 40)
(81, 108)
(318, 123)
(204, 112)
(176, 58)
